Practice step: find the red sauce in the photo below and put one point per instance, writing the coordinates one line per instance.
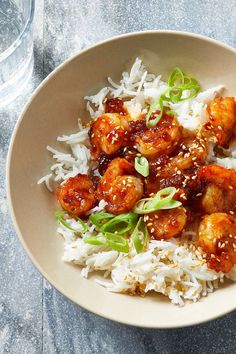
(103, 162)
(115, 105)
(136, 128)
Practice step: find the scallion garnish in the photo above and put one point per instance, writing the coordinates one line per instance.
(178, 83)
(157, 105)
(114, 241)
(162, 200)
(99, 219)
(120, 224)
(141, 165)
(140, 236)
(95, 240)
(117, 242)
(59, 215)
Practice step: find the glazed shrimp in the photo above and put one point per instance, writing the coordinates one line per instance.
(107, 134)
(119, 187)
(77, 195)
(162, 139)
(180, 170)
(217, 238)
(222, 117)
(219, 186)
(164, 224)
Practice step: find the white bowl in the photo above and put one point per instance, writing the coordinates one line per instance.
(53, 110)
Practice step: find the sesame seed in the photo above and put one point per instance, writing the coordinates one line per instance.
(150, 224)
(230, 187)
(199, 195)
(231, 212)
(152, 230)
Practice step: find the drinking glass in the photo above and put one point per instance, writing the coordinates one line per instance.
(16, 47)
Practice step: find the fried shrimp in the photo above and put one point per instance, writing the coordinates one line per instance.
(180, 170)
(119, 187)
(164, 224)
(163, 138)
(107, 134)
(219, 188)
(222, 118)
(217, 238)
(77, 195)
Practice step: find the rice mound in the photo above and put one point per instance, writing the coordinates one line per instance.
(174, 268)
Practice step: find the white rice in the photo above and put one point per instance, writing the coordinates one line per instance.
(173, 268)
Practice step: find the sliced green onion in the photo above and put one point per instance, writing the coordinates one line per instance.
(59, 216)
(177, 84)
(120, 224)
(117, 242)
(140, 238)
(95, 240)
(171, 205)
(170, 112)
(162, 200)
(100, 218)
(141, 165)
(114, 241)
(175, 95)
(162, 197)
(176, 77)
(158, 104)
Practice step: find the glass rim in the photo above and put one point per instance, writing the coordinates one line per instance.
(15, 44)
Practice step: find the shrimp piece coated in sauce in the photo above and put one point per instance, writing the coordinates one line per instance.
(180, 170)
(164, 224)
(217, 238)
(219, 188)
(222, 118)
(77, 195)
(107, 134)
(119, 187)
(161, 139)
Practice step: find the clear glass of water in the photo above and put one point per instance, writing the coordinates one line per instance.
(16, 47)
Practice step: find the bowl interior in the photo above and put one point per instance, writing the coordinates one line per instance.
(52, 111)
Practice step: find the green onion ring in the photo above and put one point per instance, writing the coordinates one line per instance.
(158, 202)
(138, 243)
(141, 165)
(59, 217)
